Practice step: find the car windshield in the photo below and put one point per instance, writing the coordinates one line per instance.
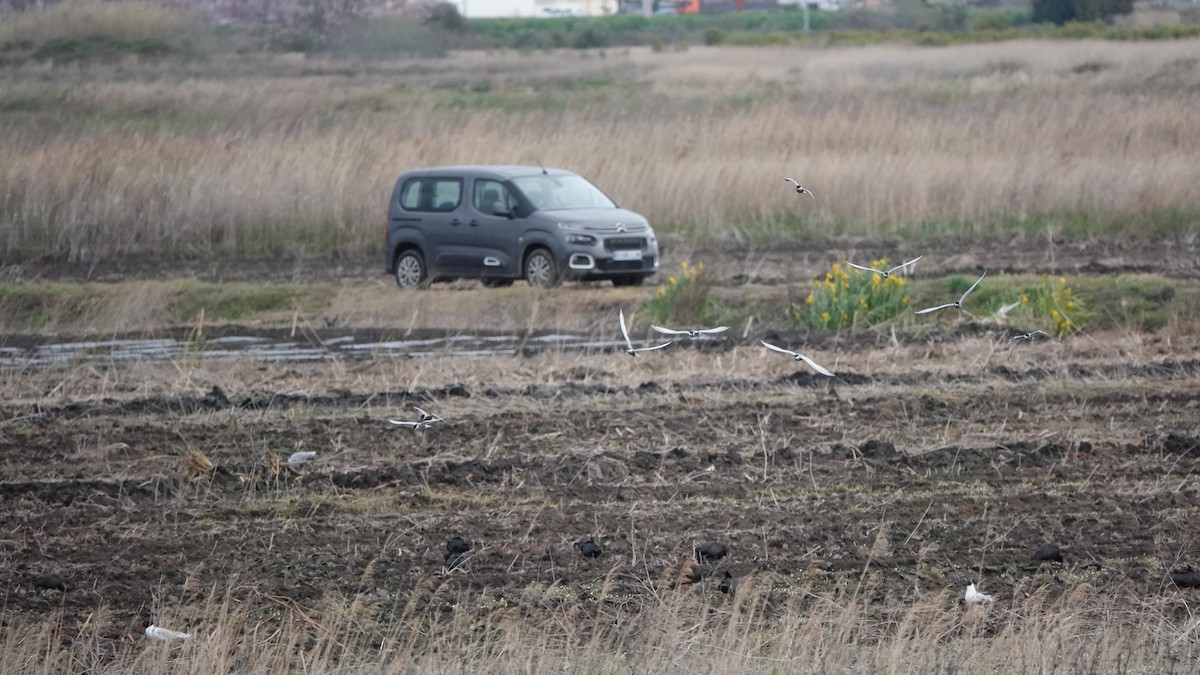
(549, 193)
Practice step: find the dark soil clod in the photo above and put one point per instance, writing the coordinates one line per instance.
(457, 545)
(1186, 577)
(49, 581)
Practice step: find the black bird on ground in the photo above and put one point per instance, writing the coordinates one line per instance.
(1048, 552)
(49, 581)
(729, 583)
(457, 545)
(710, 551)
(1186, 577)
(589, 548)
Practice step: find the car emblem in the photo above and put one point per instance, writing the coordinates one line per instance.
(622, 228)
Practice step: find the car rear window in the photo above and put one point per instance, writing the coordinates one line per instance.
(431, 194)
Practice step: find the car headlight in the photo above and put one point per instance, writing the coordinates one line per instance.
(581, 239)
(572, 227)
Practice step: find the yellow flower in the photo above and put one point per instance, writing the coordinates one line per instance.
(1054, 314)
(1062, 280)
(662, 292)
(828, 276)
(904, 300)
(875, 280)
(825, 317)
(683, 265)
(809, 299)
(1024, 299)
(899, 281)
(862, 302)
(672, 281)
(837, 268)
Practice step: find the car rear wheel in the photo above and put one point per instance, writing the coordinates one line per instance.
(540, 270)
(410, 270)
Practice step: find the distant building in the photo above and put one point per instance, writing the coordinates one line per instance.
(500, 9)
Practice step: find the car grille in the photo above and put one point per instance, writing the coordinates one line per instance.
(625, 243)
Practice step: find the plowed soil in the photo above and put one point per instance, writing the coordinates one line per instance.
(923, 465)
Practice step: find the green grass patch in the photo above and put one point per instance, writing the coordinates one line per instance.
(32, 307)
(237, 301)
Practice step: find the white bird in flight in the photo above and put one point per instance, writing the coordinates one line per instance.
(972, 596)
(415, 426)
(301, 457)
(159, 633)
(629, 349)
(690, 333)
(955, 305)
(1030, 336)
(882, 273)
(801, 190)
(799, 357)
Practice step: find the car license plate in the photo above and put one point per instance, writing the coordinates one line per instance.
(626, 255)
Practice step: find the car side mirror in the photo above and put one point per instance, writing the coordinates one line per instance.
(498, 209)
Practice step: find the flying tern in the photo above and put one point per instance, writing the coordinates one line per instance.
(882, 273)
(1030, 336)
(415, 426)
(801, 190)
(799, 357)
(159, 633)
(958, 303)
(972, 596)
(629, 349)
(690, 333)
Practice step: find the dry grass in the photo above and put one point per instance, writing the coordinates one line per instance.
(266, 157)
(770, 625)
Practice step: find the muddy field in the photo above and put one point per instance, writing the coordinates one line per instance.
(923, 465)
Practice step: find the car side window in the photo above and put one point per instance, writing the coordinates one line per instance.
(487, 192)
(431, 194)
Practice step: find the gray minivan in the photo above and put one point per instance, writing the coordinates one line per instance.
(501, 223)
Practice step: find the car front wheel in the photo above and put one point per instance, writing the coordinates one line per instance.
(410, 270)
(540, 270)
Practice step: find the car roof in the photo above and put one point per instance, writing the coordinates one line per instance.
(501, 171)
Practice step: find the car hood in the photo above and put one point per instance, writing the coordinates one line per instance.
(599, 221)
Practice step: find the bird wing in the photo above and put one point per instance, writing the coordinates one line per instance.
(792, 181)
(1022, 336)
(865, 269)
(934, 309)
(427, 416)
(650, 349)
(624, 330)
(712, 331)
(905, 265)
(299, 457)
(815, 366)
(1039, 332)
(781, 350)
(810, 194)
(964, 295)
(404, 423)
(668, 331)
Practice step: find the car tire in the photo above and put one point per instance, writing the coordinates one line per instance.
(496, 283)
(628, 281)
(540, 269)
(411, 271)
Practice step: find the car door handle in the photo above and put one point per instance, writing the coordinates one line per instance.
(473, 223)
(456, 222)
